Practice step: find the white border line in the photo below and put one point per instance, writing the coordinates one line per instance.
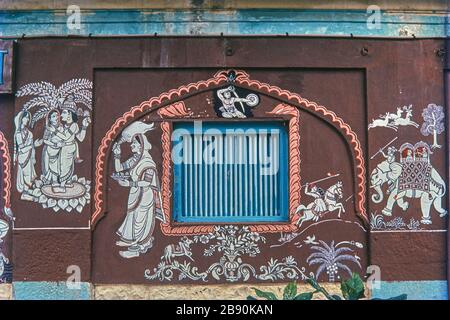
(400, 231)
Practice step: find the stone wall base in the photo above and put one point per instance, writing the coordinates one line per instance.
(416, 290)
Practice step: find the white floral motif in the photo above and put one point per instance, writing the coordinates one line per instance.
(234, 243)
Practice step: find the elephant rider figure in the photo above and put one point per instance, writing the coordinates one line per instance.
(392, 168)
(318, 195)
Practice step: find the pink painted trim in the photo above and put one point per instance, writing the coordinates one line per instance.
(176, 110)
(294, 156)
(294, 173)
(6, 171)
(219, 78)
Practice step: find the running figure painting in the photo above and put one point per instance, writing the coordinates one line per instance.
(229, 99)
(234, 102)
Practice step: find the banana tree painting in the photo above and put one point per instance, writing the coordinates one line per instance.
(433, 117)
(65, 111)
(333, 257)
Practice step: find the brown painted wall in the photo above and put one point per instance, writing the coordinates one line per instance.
(330, 72)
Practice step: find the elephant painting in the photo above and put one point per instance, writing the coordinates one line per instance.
(412, 177)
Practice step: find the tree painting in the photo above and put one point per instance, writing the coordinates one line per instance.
(332, 258)
(433, 117)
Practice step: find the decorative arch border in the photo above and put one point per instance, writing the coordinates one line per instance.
(6, 172)
(170, 98)
(178, 110)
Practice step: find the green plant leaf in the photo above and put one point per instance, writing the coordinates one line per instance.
(251, 298)
(353, 288)
(313, 283)
(400, 297)
(336, 297)
(290, 291)
(265, 294)
(304, 296)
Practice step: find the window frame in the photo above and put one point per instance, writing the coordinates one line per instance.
(282, 187)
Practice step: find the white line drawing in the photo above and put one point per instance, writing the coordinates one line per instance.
(310, 240)
(398, 120)
(377, 222)
(57, 187)
(229, 97)
(24, 155)
(433, 117)
(139, 173)
(234, 243)
(287, 268)
(381, 149)
(5, 266)
(183, 248)
(329, 176)
(289, 237)
(324, 202)
(394, 120)
(331, 258)
(383, 121)
(412, 177)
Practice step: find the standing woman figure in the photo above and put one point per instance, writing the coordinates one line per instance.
(51, 150)
(144, 198)
(24, 155)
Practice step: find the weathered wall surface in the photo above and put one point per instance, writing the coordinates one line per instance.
(227, 22)
(63, 227)
(387, 91)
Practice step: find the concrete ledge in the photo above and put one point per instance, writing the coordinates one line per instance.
(197, 292)
(416, 290)
(228, 22)
(214, 4)
(50, 291)
(5, 291)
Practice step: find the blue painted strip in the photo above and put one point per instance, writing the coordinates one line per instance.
(416, 290)
(2, 61)
(33, 290)
(237, 22)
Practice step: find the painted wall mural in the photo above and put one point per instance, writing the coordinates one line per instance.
(364, 162)
(324, 201)
(65, 113)
(138, 148)
(394, 120)
(234, 102)
(139, 173)
(433, 122)
(233, 243)
(407, 176)
(5, 211)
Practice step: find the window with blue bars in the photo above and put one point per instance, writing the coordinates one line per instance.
(230, 171)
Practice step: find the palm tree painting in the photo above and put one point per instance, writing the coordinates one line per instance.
(332, 258)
